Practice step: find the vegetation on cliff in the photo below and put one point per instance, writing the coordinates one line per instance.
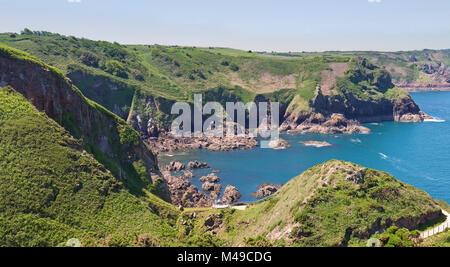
(104, 135)
(51, 190)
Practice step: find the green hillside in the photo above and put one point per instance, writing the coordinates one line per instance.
(332, 204)
(51, 190)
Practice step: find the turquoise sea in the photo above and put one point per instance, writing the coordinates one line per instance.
(415, 153)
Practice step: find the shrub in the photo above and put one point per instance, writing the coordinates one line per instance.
(89, 59)
(116, 68)
(234, 67)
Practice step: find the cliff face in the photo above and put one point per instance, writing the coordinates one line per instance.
(364, 94)
(402, 108)
(104, 135)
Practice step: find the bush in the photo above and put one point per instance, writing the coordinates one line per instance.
(234, 67)
(116, 68)
(399, 237)
(89, 59)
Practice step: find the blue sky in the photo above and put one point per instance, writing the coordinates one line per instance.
(282, 25)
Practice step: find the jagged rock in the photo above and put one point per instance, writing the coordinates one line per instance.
(231, 195)
(188, 174)
(212, 178)
(182, 192)
(266, 190)
(213, 190)
(198, 165)
(213, 221)
(175, 166)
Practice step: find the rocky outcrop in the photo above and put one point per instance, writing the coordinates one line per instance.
(52, 93)
(169, 143)
(364, 111)
(212, 189)
(183, 193)
(175, 166)
(310, 122)
(212, 178)
(198, 165)
(231, 195)
(144, 120)
(188, 174)
(266, 190)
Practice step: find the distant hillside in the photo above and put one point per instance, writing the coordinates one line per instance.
(411, 70)
(333, 204)
(140, 83)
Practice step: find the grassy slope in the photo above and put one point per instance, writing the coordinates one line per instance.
(51, 190)
(305, 213)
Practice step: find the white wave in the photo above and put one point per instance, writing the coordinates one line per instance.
(434, 120)
(376, 124)
(356, 140)
(383, 156)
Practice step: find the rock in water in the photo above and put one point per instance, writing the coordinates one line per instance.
(213, 190)
(231, 195)
(212, 178)
(188, 174)
(279, 144)
(175, 166)
(198, 165)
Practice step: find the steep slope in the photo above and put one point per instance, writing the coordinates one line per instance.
(104, 135)
(51, 190)
(332, 204)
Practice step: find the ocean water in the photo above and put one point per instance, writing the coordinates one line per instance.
(415, 153)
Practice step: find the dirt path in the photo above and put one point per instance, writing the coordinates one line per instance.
(438, 229)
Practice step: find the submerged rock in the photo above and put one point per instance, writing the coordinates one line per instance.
(317, 144)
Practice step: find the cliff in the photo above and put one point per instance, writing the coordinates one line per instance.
(365, 93)
(107, 137)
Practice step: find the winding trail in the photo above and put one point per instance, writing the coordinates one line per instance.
(438, 229)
